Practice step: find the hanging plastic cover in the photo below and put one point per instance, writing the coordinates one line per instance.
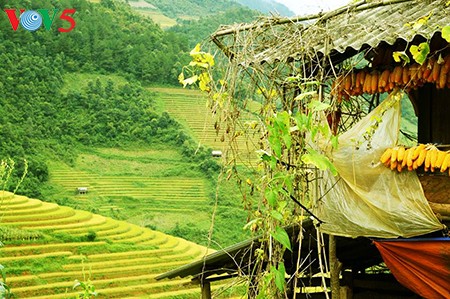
(367, 198)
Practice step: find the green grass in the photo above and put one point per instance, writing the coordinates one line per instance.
(79, 81)
(152, 186)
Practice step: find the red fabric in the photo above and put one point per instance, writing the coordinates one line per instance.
(421, 265)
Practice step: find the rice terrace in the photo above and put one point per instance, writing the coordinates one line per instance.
(224, 149)
(149, 188)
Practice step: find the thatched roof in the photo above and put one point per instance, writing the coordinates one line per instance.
(340, 33)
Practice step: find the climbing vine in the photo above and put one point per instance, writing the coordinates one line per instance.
(282, 174)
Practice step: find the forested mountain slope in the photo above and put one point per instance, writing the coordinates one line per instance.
(193, 9)
(200, 29)
(268, 6)
(38, 120)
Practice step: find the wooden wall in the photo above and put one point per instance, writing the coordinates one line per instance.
(433, 111)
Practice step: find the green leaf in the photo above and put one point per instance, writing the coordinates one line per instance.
(275, 144)
(305, 94)
(318, 160)
(276, 215)
(279, 277)
(420, 52)
(273, 162)
(263, 155)
(281, 236)
(310, 83)
(302, 121)
(287, 140)
(325, 130)
(289, 183)
(318, 106)
(335, 142)
(400, 56)
(446, 33)
(271, 196)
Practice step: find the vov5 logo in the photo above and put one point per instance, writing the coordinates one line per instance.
(32, 20)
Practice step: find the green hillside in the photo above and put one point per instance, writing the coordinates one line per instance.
(268, 6)
(78, 111)
(188, 107)
(44, 115)
(192, 8)
(199, 29)
(149, 186)
(47, 247)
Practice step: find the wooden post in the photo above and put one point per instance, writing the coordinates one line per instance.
(206, 289)
(335, 268)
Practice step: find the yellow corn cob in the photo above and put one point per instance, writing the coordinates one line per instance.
(409, 158)
(405, 157)
(415, 166)
(386, 156)
(440, 159)
(421, 158)
(433, 159)
(393, 164)
(418, 150)
(400, 154)
(394, 154)
(428, 159)
(444, 165)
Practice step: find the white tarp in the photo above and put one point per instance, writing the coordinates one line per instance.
(367, 198)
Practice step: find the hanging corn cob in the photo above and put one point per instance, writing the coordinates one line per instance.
(411, 76)
(426, 155)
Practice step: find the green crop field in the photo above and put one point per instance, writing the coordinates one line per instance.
(121, 260)
(148, 187)
(189, 108)
(155, 185)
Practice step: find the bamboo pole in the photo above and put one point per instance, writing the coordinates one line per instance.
(335, 268)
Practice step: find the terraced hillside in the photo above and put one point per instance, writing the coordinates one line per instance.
(152, 12)
(148, 187)
(48, 246)
(189, 108)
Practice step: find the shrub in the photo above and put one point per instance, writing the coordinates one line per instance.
(91, 236)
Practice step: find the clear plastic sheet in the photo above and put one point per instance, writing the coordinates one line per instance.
(367, 198)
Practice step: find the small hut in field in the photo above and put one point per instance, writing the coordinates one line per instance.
(376, 199)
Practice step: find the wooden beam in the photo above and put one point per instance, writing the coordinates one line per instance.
(206, 290)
